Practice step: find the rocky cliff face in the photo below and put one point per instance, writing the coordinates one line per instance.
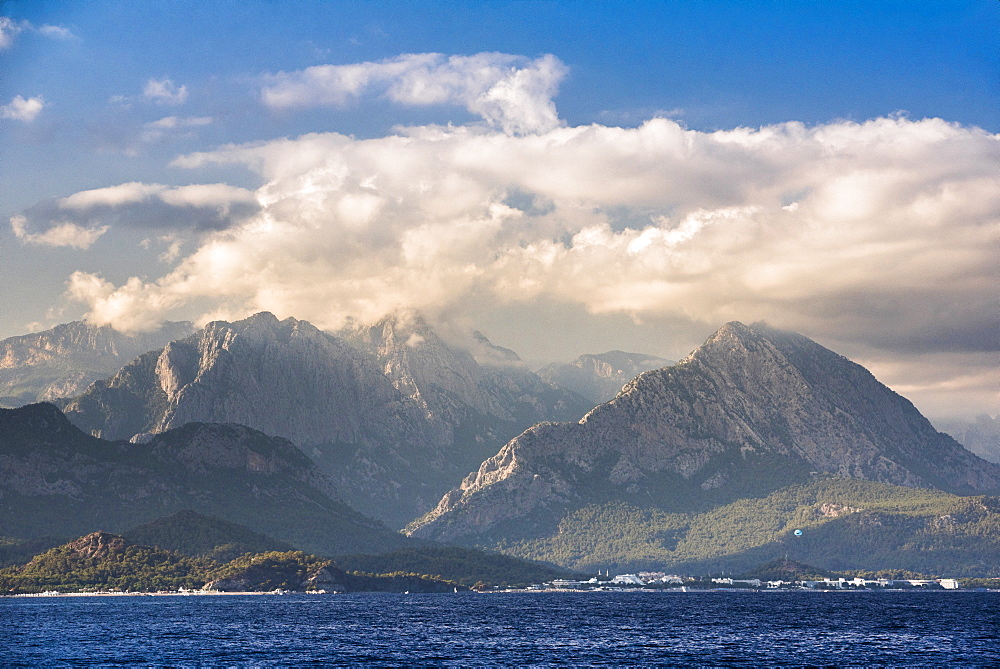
(395, 416)
(599, 377)
(59, 481)
(751, 410)
(63, 361)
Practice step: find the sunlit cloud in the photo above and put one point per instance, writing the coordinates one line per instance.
(882, 232)
(510, 92)
(21, 109)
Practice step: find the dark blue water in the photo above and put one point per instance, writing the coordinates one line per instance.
(506, 629)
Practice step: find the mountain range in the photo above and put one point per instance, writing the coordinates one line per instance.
(296, 432)
(980, 435)
(391, 412)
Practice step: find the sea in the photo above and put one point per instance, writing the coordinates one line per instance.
(506, 629)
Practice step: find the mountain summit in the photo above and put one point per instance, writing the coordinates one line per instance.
(753, 409)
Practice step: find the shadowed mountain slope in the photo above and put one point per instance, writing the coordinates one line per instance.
(59, 481)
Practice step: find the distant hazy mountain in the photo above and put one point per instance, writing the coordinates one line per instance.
(395, 416)
(600, 377)
(753, 410)
(481, 397)
(981, 436)
(63, 361)
(59, 481)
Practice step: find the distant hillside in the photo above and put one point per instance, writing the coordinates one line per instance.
(297, 571)
(462, 565)
(196, 535)
(981, 435)
(845, 524)
(599, 377)
(106, 561)
(103, 561)
(63, 361)
(60, 481)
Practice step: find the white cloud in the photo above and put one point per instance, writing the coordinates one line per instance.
(220, 197)
(10, 29)
(64, 233)
(173, 122)
(509, 92)
(111, 196)
(20, 109)
(165, 92)
(56, 32)
(156, 130)
(115, 305)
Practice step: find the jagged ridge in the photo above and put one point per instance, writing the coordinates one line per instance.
(395, 415)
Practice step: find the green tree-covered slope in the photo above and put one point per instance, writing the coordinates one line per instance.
(198, 535)
(845, 524)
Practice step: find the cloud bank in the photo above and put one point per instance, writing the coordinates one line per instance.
(884, 231)
(509, 92)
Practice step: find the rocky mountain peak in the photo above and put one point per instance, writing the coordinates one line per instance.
(752, 408)
(98, 545)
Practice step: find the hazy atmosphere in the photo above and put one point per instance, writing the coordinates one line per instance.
(566, 177)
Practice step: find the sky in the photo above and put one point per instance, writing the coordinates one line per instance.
(566, 177)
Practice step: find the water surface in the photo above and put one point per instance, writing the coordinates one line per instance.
(772, 628)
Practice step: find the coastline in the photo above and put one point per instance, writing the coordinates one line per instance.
(186, 593)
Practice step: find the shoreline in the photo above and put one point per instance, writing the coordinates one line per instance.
(679, 591)
(187, 593)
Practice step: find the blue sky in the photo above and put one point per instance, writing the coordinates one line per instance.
(147, 145)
